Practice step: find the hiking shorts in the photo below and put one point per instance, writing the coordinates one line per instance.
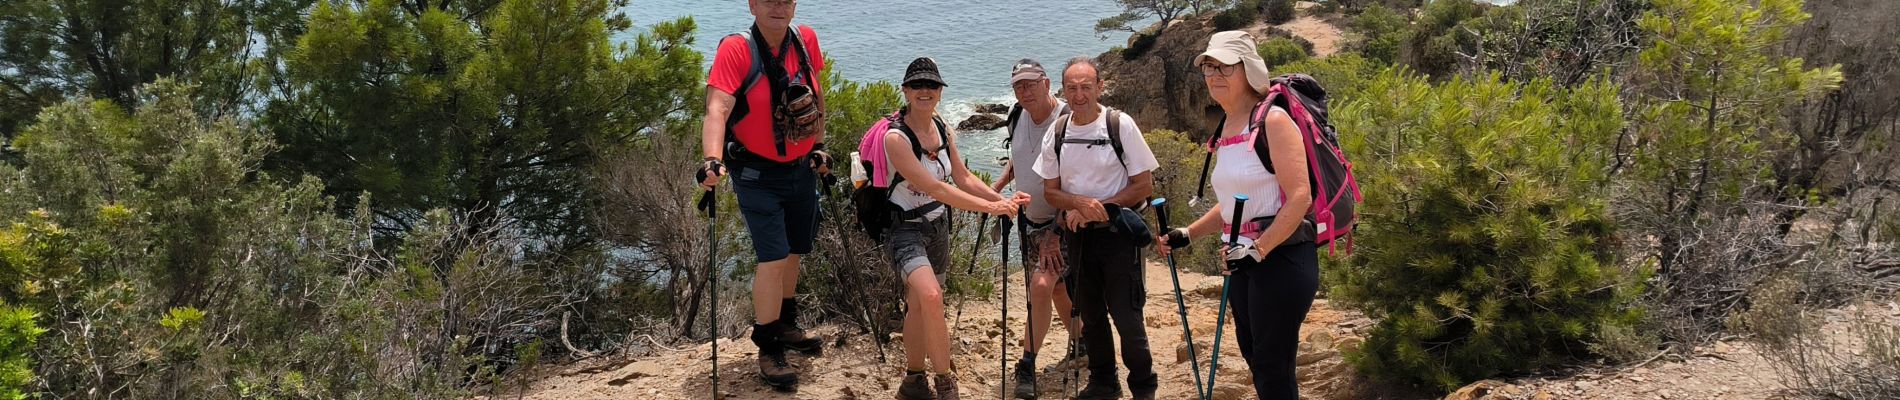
(914, 245)
(780, 206)
(1043, 248)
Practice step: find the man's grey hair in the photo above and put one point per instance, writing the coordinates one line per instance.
(1084, 60)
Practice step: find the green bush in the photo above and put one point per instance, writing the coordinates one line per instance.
(1343, 75)
(1439, 35)
(1277, 11)
(1278, 51)
(1176, 181)
(1484, 244)
(1240, 16)
(17, 334)
(1139, 46)
(1381, 33)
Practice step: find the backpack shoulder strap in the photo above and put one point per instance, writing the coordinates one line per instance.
(804, 57)
(1009, 124)
(1115, 134)
(1062, 134)
(1275, 97)
(756, 71)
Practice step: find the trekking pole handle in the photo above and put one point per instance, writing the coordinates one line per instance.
(1161, 213)
(706, 203)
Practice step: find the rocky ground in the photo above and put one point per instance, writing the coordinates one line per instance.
(851, 369)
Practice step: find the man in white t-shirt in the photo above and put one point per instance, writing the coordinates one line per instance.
(1043, 267)
(1092, 184)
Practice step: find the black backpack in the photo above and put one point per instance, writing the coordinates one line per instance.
(1016, 114)
(1114, 139)
(876, 212)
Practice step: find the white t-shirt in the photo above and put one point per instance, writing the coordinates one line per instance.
(1237, 170)
(1092, 171)
(1025, 147)
(907, 198)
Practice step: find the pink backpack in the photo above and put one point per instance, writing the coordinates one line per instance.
(1335, 190)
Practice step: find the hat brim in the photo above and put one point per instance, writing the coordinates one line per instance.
(1027, 76)
(1223, 56)
(926, 77)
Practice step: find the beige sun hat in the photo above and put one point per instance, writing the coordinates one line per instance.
(1231, 47)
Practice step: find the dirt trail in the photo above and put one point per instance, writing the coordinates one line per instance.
(1327, 39)
(852, 370)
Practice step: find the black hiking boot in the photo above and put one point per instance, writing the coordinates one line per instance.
(1100, 389)
(794, 337)
(1144, 388)
(773, 368)
(916, 386)
(1026, 379)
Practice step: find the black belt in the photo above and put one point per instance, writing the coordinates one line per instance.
(919, 212)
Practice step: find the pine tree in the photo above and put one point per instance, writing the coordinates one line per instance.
(1484, 245)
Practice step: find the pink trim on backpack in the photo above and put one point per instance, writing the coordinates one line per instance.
(1323, 202)
(871, 148)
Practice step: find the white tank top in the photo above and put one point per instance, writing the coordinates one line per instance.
(1237, 170)
(907, 199)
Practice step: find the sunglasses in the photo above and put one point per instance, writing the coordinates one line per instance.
(923, 85)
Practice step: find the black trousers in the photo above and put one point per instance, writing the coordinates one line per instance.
(1108, 283)
(1270, 300)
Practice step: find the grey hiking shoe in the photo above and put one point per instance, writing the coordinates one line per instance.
(947, 387)
(915, 387)
(1025, 380)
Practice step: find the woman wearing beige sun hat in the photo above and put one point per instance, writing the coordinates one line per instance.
(1274, 263)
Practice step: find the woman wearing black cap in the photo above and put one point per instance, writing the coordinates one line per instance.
(923, 152)
(1274, 262)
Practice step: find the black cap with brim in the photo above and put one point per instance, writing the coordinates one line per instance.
(923, 69)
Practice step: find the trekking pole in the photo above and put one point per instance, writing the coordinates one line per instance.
(1213, 366)
(980, 227)
(707, 204)
(1002, 225)
(1194, 361)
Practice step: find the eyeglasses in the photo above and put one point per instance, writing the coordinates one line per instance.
(923, 85)
(779, 3)
(1218, 70)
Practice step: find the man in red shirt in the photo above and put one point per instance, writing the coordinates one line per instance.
(755, 129)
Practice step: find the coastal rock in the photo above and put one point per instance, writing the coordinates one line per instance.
(981, 122)
(1159, 89)
(992, 109)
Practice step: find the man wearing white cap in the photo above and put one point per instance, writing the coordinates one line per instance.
(1029, 121)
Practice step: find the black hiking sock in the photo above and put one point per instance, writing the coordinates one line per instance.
(1029, 357)
(766, 337)
(909, 372)
(788, 312)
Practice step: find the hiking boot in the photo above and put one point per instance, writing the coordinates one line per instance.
(915, 387)
(1025, 380)
(947, 387)
(791, 335)
(1100, 389)
(1143, 393)
(772, 365)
